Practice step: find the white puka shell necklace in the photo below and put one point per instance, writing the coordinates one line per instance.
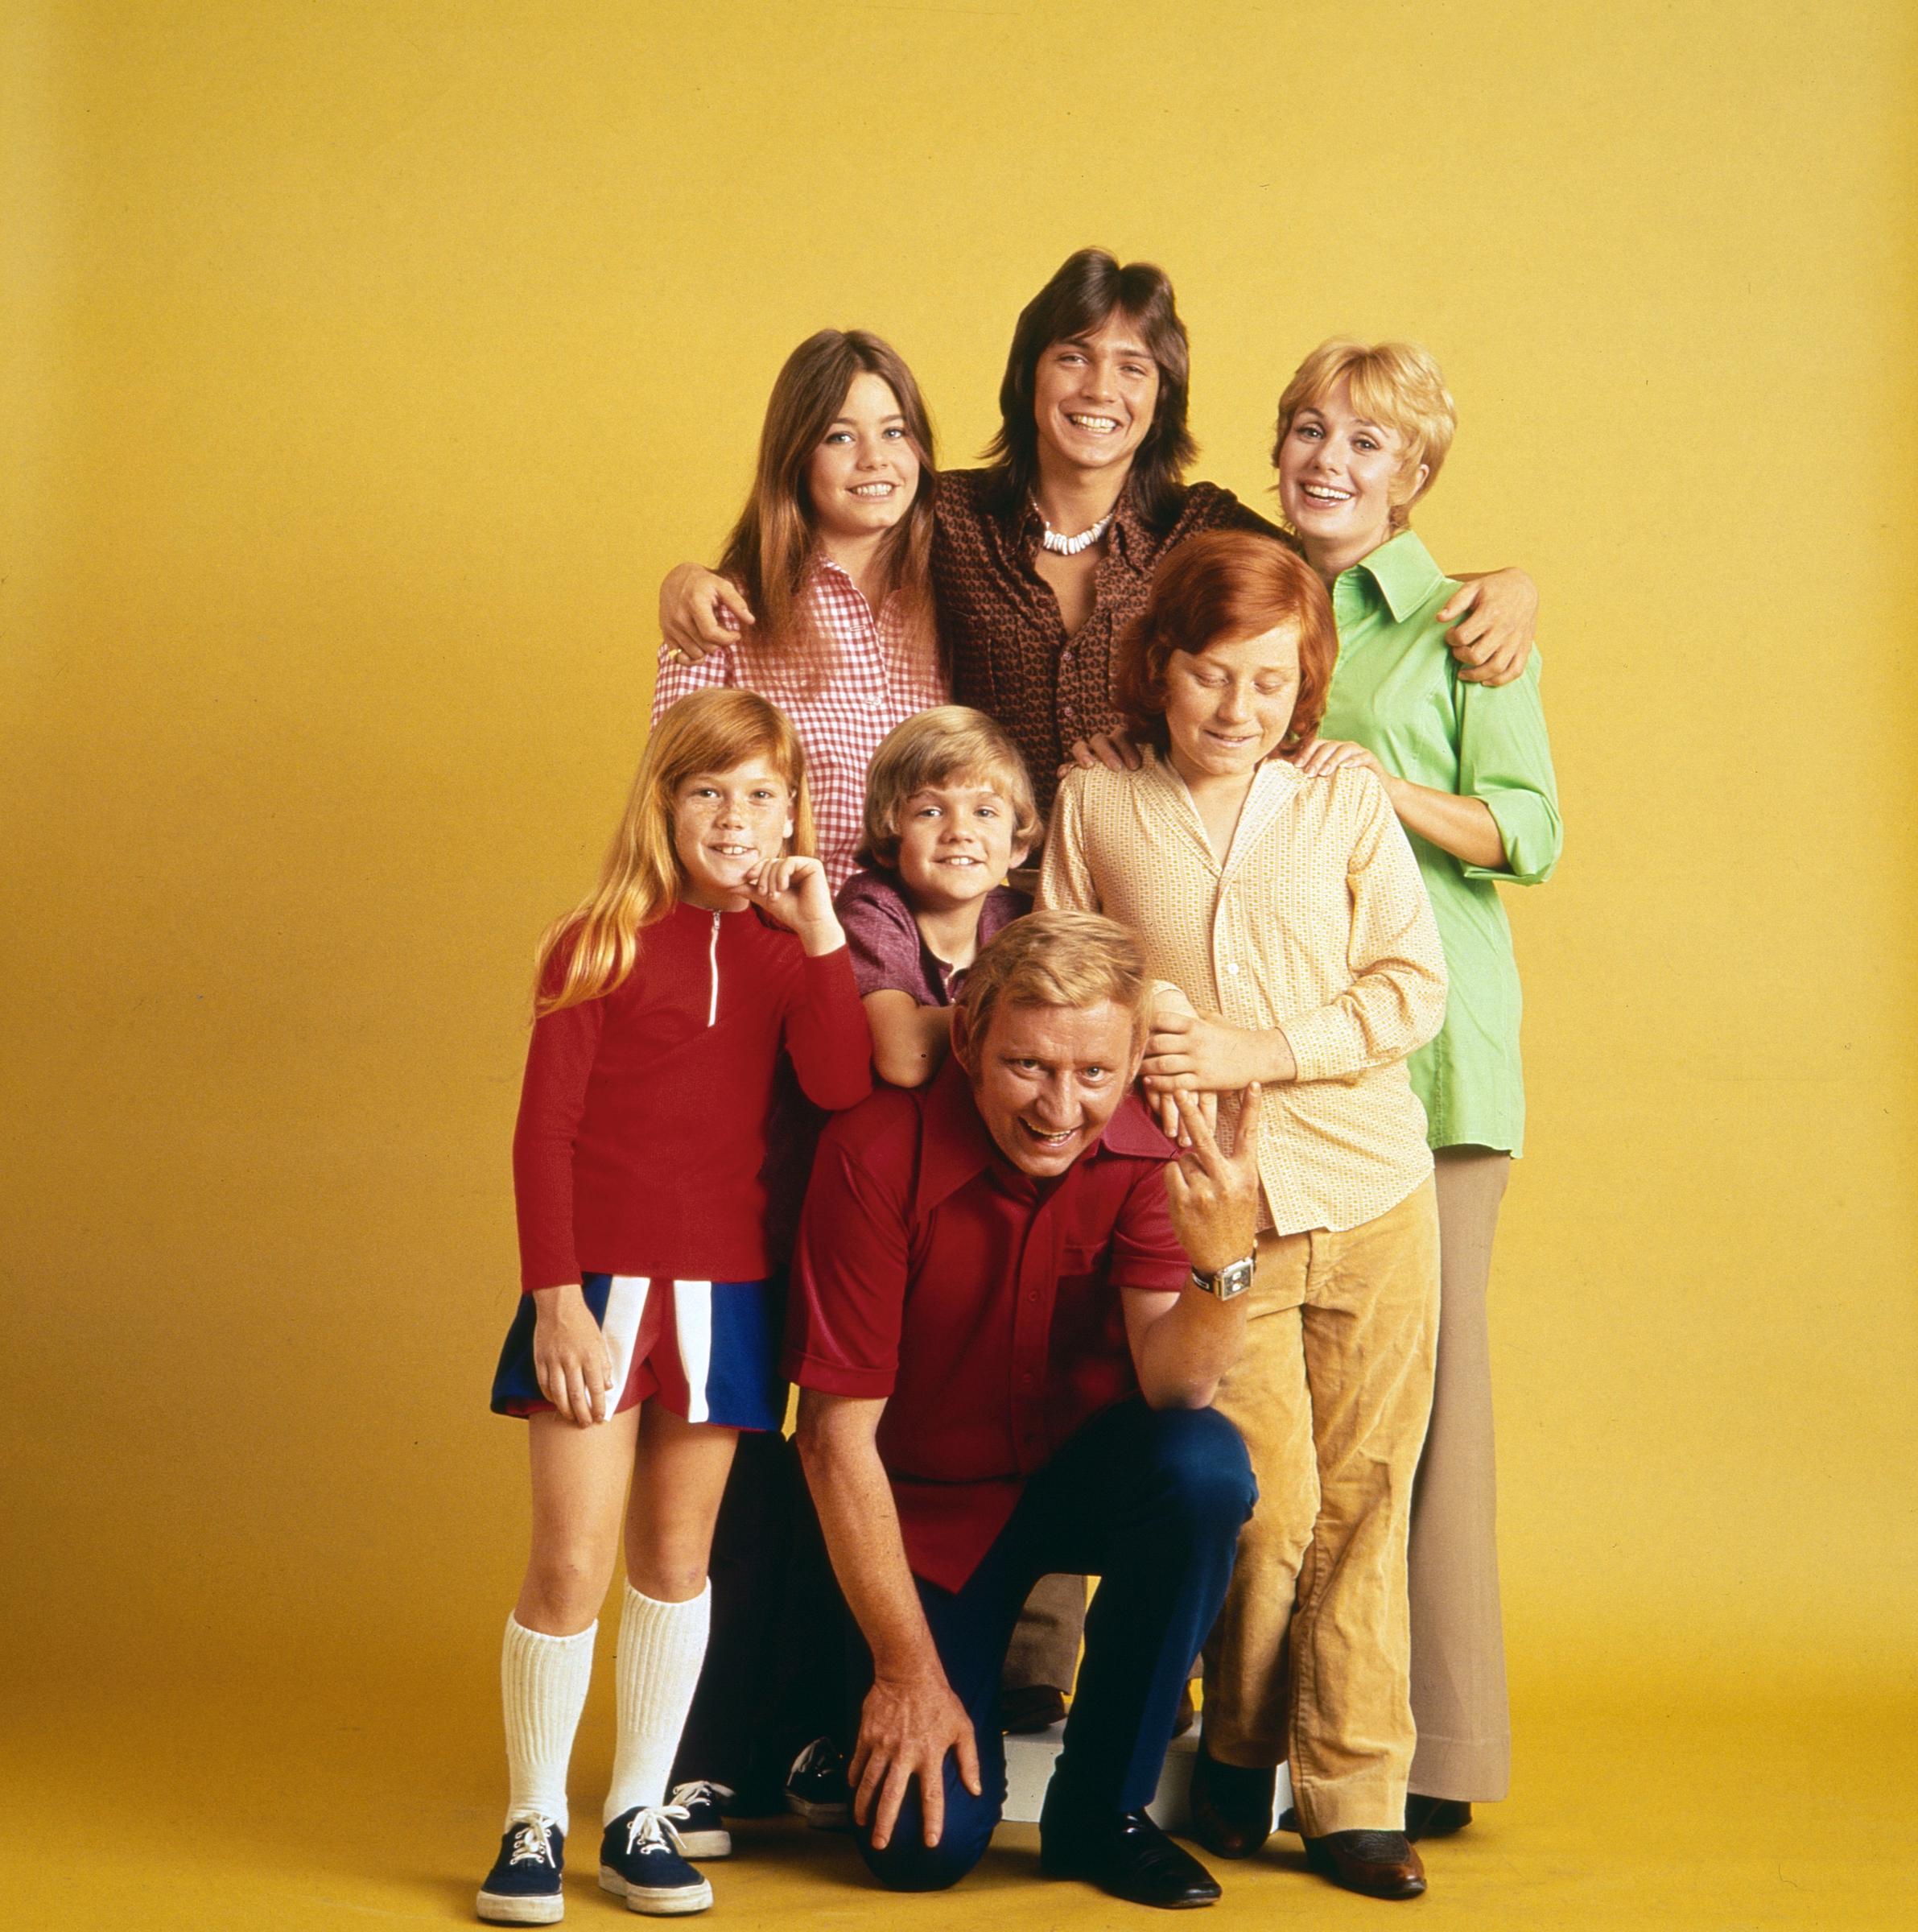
(1070, 546)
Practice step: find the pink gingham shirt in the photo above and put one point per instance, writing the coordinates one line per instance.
(878, 675)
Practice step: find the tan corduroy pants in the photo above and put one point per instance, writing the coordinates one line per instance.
(1332, 1394)
(1458, 1636)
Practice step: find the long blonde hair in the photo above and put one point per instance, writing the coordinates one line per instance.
(592, 949)
(772, 543)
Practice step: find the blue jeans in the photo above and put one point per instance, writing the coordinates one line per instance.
(1152, 1502)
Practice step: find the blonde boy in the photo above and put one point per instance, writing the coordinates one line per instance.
(949, 813)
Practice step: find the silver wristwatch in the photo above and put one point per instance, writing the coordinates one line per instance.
(1233, 1279)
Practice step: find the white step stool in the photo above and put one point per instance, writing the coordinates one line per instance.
(1029, 1765)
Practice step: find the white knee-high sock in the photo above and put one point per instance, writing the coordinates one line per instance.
(542, 1686)
(661, 1649)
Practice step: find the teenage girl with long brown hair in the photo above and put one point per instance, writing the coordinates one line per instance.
(648, 1333)
(830, 559)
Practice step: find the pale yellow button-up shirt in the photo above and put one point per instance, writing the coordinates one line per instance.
(1316, 923)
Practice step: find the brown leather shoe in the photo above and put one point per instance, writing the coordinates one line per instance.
(1232, 1807)
(1435, 1817)
(1381, 1864)
(1025, 1709)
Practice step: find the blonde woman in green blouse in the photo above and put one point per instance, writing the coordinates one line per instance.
(1362, 432)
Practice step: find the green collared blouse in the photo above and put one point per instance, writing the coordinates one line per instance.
(1397, 691)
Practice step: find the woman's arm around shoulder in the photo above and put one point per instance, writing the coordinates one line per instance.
(1505, 764)
(699, 613)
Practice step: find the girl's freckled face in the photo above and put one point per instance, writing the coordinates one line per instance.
(724, 823)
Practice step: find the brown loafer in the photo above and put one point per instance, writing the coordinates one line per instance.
(1435, 1817)
(1232, 1807)
(1025, 1709)
(1381, 1864)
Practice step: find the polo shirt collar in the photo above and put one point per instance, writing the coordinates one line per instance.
(956, 1148)
(1403, 570)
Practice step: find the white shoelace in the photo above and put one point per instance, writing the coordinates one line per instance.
(701, 1791)
(532, 1842)
(656, 1828)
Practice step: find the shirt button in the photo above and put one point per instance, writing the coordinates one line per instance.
(1232, 965)
(1066, 712)
(1027, 1378)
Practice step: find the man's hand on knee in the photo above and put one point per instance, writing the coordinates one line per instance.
(905, 1729)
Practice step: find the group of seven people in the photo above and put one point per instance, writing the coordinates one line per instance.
(1132, 1264)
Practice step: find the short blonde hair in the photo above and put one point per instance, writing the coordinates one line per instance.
(949, 742)
(1057, 959)
(1396, 383)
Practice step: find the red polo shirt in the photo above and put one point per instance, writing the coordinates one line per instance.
(982, 1304)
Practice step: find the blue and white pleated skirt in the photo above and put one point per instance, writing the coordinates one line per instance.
(708, 1350)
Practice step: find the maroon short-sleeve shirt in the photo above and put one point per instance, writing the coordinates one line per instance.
(985, 1306)
(889, 953)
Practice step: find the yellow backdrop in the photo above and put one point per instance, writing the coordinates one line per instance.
(371, 362)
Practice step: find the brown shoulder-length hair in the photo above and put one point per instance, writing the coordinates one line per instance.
(1213, 587)
(1088, 288)
(767, 553)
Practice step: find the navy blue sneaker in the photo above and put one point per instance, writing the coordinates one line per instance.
(523, 1887)
(641, 1862)
(704, 1834)
(816, 1787)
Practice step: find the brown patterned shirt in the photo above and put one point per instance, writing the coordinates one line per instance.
(1000, 626)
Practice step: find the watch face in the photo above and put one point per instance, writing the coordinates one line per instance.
(1236, 1279)
(1233, 1279)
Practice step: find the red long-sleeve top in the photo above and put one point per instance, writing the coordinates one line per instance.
(640, 1147)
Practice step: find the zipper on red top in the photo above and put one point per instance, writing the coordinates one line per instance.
(712, 954)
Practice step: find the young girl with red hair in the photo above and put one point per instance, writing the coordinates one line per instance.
(647, 1332)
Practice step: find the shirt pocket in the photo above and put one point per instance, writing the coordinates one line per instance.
(1087, 1316)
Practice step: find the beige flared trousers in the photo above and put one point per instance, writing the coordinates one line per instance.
(1458, 1634)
